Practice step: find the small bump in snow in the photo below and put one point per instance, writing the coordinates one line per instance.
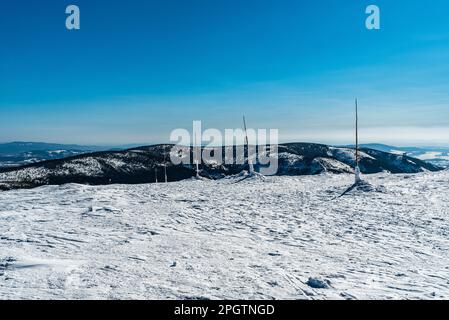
(318, 283)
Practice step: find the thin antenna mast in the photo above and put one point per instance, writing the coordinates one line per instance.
(357, 158)
(165, 173)
(356, 133)
(165, 166)
(196, 158)
(250, 163)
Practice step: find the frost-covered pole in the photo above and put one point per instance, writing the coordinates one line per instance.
(165, 172)
(195, 155)
(357, 168)
(250, 162)
(165, 166)
(197, 169)
(155, 174)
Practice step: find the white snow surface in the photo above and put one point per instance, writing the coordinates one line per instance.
(278, 237)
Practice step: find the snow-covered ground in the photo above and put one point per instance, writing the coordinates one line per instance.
(255, 239)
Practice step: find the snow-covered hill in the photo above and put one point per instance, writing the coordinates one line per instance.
(15, 154)
(140, 165)
(438, 156)
(289, 237)
(17, 160)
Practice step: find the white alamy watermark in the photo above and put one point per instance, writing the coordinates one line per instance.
(231, 147)
(373, 20)
(73, 21)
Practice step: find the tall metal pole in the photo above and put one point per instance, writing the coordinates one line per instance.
(357, 157)
(356, 133)
(250, 163)
(165, 166)
(246, 134)
(165, 173)
(196, 158)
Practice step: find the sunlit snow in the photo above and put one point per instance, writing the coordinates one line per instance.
(278, 237)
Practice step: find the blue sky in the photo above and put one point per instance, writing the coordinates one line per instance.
(139, 69)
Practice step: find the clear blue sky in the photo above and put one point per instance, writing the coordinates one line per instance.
(138, 69)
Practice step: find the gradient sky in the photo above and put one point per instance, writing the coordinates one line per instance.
(138, 69)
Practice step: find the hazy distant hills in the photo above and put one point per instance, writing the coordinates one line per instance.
(20, 147)
(435, 155)
(140, 165)
(15, 154)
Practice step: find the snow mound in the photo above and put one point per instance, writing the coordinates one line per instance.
(200, 178)
(363, 186)
(318, 283)
(246, 176)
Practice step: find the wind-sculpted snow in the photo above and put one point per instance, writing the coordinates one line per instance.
(260, 238)
(141, 165)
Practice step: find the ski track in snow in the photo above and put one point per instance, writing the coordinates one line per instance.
(257, 239)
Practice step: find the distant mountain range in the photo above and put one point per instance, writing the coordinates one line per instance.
(436, 155)
(15, 154)
(20, 147)
(140, 165)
